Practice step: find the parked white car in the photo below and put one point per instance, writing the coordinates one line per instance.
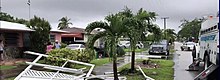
(139, 45)
(75, 46)
(188, 46)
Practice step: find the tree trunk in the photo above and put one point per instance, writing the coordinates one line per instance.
(132, 61)
(114, 57)
(115, 70)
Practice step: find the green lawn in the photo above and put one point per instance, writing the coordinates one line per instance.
(136, 50)
(11, 78)
(99, 62)
(164, 72)
(6, 67)
(172, 49)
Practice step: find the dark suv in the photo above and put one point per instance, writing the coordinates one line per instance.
(161, 47)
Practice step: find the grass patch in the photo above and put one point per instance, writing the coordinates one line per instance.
(7, 67)
(164, 72)
(11, 78)
(136, 50)
(172, 49)
(100, 62)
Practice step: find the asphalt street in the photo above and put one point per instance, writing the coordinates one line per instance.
(182, 60)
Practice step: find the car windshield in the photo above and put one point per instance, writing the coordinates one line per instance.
(82, 46)
(73, 46)
(190, 43)
(156, 43)
(163, 42)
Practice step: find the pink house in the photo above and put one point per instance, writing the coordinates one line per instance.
(17, 35)
(56, 35)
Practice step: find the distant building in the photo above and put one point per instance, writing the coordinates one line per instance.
(17, 35)
(77, 35)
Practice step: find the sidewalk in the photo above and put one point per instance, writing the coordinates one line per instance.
(182, 60)
(100, 70)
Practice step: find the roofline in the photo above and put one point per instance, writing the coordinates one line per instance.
(17, 30)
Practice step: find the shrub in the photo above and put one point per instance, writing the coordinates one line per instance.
(85, 55)
(12, 52)
(56, 55)
(79, 55)
(40, 35)
(63, 45)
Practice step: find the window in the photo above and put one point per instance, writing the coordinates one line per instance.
(212, 28)
(82, 46)
(26, 40)
(215, 26)
(11, 39)
(52, 38)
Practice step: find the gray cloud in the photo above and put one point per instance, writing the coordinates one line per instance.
(83, 12)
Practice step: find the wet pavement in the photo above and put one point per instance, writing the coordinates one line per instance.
(100, 70)
(182, 60)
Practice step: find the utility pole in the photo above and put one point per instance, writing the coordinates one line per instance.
(0, 6)
(29, 7)
(164, 21)
(0, 12)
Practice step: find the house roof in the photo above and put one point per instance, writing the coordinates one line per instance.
(58, 31)
(4, 25)
(78, 30)
(74, 30)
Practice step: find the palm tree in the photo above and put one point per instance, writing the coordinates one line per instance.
(137, 25)
(64, 23)
(113, 29)
(156, 32)
(170, 34)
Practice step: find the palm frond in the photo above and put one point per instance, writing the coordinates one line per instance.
(93, 38)
(97, 24)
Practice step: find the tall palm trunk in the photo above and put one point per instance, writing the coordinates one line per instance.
(113, 51)
(115, 70)
(132, 61)
(133, 46)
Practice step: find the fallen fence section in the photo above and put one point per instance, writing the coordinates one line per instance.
(29, 74)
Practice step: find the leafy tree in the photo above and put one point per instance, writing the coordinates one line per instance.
(9, 18)
(64, 23)
(113, 29)
(170, 34)
(190, 28)
(40, 36)
(156, 33)
(137, 25)
(6, 17)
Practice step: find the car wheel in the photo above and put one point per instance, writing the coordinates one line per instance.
(150, 53)
(182, 49)
(188, 48)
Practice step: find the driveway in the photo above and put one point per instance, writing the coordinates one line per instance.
(182, 60)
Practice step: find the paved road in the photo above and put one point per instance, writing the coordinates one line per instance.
(100, 70)
(182, 60)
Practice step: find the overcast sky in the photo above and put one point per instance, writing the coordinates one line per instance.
(83, 12)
